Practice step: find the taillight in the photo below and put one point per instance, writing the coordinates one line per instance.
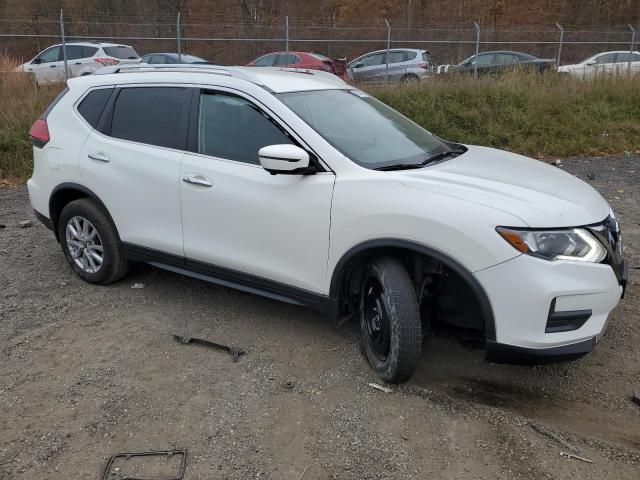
(39, 133)
(424, 66)
(107, 62)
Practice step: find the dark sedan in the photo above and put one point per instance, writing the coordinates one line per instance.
(173, 58)
(499, 62)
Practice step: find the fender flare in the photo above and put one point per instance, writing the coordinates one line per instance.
(86, 193)
(420, 248)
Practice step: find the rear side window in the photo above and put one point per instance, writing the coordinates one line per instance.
(426, 57)
(231, 127)
(89, 51)
(122, 52)
(153, 115)
(93, 104)
(74, 52)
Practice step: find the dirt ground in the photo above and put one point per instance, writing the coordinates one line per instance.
(87, 372)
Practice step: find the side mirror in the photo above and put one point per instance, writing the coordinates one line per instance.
(590, 62)
(285, 159)
(36, 61)
(358, 65)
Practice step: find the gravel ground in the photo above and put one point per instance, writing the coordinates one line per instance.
(90, 371)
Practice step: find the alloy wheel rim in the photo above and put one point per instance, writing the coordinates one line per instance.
(377, 324)
(84, 244)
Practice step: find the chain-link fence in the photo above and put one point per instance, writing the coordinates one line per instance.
(238, 41)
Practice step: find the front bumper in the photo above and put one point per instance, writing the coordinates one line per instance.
(528, 295)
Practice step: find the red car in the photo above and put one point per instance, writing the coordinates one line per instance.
(312, 61)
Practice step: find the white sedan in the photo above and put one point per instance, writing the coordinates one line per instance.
(606, 63)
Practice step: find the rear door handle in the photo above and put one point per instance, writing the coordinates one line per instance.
(99, 156)
(197, 180)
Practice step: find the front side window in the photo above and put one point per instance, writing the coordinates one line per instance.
(50, 55)
(481, 60)
(364, 129)
(266, 61)
(372, 60)
(505, 59)
(231, 127)
(152, 115)
(606, 58)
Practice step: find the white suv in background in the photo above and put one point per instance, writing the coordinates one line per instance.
(295, 185)
(83, 58)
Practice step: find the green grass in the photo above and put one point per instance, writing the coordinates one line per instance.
(537, 115)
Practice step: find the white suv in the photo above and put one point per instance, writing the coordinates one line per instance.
(83, 58)
(297, 186)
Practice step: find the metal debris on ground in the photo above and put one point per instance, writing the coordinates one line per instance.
(381, 388)
(577, 457)
(138, 285)
(289, 384)
(26, 224)
(235, 352)
(111, 473)
(554, 437)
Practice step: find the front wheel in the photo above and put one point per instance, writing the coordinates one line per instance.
(390, 320)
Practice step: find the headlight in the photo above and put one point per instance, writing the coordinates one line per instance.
(571, 244)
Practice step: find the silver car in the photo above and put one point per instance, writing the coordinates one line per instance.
(405, 64)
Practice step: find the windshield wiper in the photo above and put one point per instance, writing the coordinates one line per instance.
(431, 159)
(399, 166)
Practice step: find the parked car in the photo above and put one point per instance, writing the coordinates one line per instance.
(83, 58)
(606, 63)
(405, 64)
(500, 62)
(173, 58)
(308, 60)
(297, 186)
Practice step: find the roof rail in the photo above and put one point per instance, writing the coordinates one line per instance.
(307, 71)
(242, 73)
(211, 69)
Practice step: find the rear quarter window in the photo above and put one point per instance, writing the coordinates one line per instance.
(122, 52)
(92, 106)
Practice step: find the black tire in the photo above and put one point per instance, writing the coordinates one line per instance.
(393, 350)
(114, 265)
(410, 78)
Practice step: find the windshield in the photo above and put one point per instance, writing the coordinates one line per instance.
(364, 129)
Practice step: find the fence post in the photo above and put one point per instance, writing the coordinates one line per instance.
(633, 42)
(560, 43)
(286, 33)
(178, 39)
(64, 45)
(475, 65)
(386, 68)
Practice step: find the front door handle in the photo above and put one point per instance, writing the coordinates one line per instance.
(99, 156)
(197, 180)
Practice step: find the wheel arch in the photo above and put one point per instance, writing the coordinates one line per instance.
(68, 192)
(391, 245)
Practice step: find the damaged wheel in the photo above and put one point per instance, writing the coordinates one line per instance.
(390, 320)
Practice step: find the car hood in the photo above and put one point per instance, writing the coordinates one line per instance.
(541, 195)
